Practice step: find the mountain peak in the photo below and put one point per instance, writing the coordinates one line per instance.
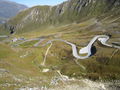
(9, 9)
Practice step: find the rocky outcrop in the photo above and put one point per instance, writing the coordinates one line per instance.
(67, 12)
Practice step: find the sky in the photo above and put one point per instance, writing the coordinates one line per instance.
(31, 3)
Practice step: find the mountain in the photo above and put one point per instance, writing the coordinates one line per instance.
(71, 11)
(38, 47)
(9, 9)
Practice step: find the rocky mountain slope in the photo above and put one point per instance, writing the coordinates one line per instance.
(29, 60)
(71, 11)
(9, 9)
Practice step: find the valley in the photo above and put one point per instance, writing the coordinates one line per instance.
(74, 45)
(28, 57)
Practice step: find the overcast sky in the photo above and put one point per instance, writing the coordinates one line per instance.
(31, 3)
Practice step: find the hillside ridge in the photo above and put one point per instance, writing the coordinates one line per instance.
(71, 11)
(9, 9)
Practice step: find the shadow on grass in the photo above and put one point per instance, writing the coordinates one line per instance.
(93, 50)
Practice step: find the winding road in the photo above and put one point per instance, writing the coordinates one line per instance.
(3, 36)
(28, 40)
(86, 50)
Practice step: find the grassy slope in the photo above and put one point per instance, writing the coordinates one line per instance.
(28, 69)
(41, 17)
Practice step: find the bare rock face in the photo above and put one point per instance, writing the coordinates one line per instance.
(64, 13)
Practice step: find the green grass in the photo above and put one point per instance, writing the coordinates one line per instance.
(44, 17)
(98, 67)
(76, 27)
(29, 44)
